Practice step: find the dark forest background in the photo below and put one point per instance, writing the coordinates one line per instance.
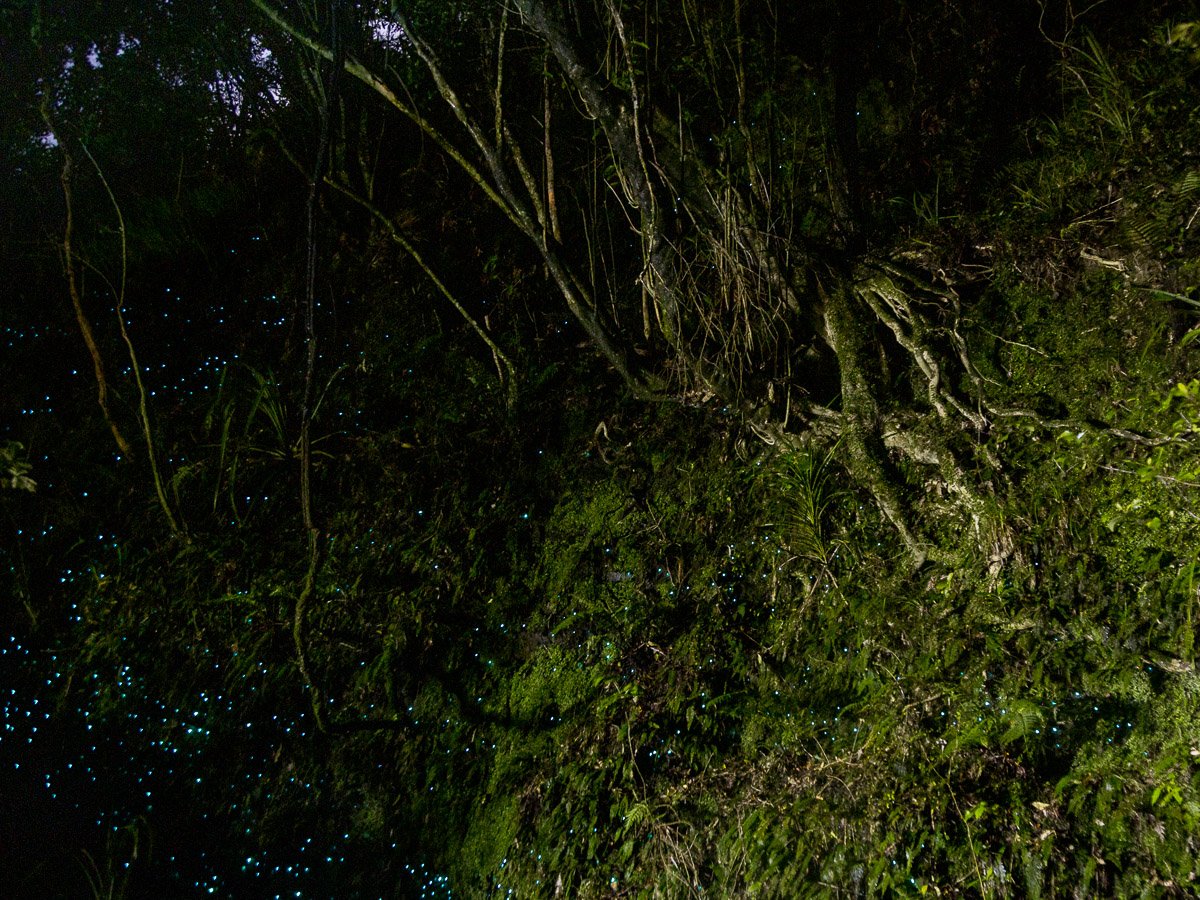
(599, 448)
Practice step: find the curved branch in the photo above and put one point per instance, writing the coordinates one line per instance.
(582, 306)
(504, 365)
(377, 84)
(143, 404)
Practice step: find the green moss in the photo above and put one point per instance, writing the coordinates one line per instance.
(662, 658)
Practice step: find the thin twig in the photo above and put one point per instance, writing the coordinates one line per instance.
(143, 404)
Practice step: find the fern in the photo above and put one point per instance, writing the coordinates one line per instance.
(1188, 186)
(1024, 719)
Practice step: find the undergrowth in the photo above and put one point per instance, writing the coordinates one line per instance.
(582, 646)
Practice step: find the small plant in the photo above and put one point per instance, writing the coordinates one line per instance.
(108, 875)
(14, 469)
(1112, 101)
(809, 491)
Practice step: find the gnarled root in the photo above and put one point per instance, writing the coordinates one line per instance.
(847, 335)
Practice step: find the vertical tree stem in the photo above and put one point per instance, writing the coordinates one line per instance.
(68, 252)
(143, 405)
(310, 364)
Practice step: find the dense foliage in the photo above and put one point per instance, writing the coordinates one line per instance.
(469, 449)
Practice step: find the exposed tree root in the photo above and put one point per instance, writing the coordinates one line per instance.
(847, 335)
(739, 295)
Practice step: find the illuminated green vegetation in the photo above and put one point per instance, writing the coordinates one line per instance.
(875, 573)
